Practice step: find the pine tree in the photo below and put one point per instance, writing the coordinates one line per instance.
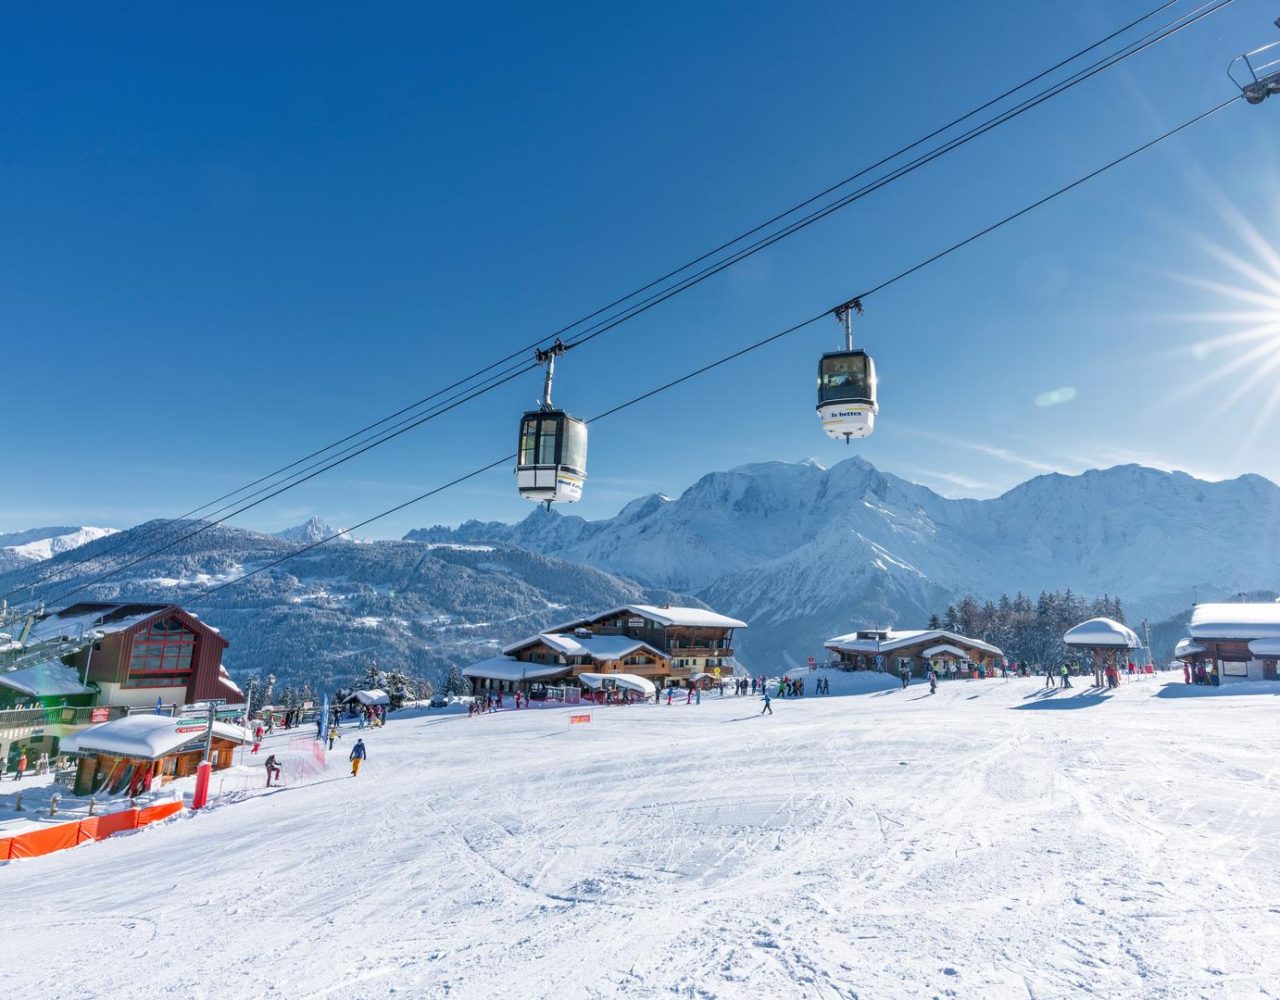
(455, 683)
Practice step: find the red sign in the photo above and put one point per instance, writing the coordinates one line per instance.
(99, 714)
(575, 719)
(191, 729)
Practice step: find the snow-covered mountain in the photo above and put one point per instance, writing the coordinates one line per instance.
(322, 616)
(804, 552)
(21, 548)
(313, 530)
(799, 551)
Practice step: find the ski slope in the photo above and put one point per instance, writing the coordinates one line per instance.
(993, 840)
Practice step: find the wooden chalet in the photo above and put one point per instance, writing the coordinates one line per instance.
(663, 645)
(920, 649)
(1241, 640)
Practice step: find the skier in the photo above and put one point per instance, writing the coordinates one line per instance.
(768, 704)
(22, 766)
(333, 735)
(688, 698)
(273, 768)
(357, 755)
(257, 738)
(1186, 672)
(1048, 677)
(1066, 677)
(933, 682)
(906, 676)
(697, 695)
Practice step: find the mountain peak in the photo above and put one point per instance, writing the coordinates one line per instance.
(314, 529)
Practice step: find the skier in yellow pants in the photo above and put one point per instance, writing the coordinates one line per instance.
(357, 755)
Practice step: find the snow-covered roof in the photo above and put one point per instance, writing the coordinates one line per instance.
(372, 696)
(81, 619)
(148, 736)
(945, 648)
(598, 647)
(503, 668)
(694, 617)
(50, 679)
(1187, 647)
(632, 682)
(1236, 621)
(1103, 633)
(1266, 649)
(850, 643)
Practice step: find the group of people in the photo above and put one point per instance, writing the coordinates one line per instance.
(1063, 672)
(491, 701)
(1199, 674)
(372, 716)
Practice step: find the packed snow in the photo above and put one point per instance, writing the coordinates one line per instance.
(994, 840)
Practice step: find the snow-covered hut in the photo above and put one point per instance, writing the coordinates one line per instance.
(1242, 641)
(1104, 639)
(133, 752)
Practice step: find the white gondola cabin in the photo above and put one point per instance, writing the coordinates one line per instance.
(847, 402)
(551, 458)
(552, 462)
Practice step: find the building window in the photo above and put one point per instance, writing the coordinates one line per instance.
(162, 655)
(1230, 669)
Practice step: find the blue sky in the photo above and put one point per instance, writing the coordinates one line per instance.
(233, 235)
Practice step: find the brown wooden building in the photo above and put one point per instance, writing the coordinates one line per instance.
(695, 640)
(145, 652)
(889, 650)
(664, 645)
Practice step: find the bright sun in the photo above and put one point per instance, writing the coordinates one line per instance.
(1247, 355)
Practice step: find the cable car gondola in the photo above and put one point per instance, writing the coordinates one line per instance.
(551, 460)
(847, 385)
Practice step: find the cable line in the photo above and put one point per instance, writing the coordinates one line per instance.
(630, 312)
(756, 345)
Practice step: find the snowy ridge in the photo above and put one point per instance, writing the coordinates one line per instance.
(803, 553)
(22, 548)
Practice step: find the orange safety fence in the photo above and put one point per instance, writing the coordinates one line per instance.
(58, 838)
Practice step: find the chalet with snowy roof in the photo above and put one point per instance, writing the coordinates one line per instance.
(129, 654)
(1241, 640)
(655, 645)
(887, 649)
(696, 640)
(135, 752)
